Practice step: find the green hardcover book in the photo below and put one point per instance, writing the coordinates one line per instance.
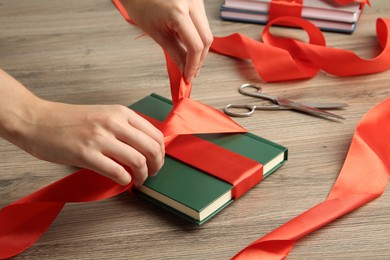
(190, 192)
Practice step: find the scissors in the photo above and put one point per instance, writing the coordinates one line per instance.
(315, 109)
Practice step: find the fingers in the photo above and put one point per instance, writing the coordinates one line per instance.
(179, 26)
(194, 31)
(107, 167)
(141, 147)
(141, 162)
(129, 143)
(194, 45)
(148, 144)
(199, 18)
(147, 128)
(185, 34)
(171, 44)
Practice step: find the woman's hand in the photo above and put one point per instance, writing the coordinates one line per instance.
(97, 137)
(108, 139)
(179, 26)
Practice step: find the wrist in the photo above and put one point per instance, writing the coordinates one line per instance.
(17, 109)
(18, 122)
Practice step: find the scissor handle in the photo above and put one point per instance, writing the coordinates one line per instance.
(249, 110)
(243, 90)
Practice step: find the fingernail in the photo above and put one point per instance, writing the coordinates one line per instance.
(197, 73)
(155, 173)
(126, 179)
(189, 79)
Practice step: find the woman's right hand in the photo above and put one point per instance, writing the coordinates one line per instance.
(180, 27)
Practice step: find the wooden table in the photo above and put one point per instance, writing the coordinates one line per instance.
(83, 52)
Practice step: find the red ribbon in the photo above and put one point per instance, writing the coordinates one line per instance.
(24, 221)
(275, 59)
(280, 58)
(243, 173)
(280, 8)
(363, 177)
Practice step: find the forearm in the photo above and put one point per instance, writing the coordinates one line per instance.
(16, 108)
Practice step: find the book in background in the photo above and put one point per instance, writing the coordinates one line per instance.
(325, 14)
(190, 192)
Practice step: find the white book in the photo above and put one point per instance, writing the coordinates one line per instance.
(314, 9)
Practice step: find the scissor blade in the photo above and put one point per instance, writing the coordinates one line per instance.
(307, 109)
(325, 105)
(315, 105)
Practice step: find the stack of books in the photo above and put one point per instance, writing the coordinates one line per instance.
(325, 14)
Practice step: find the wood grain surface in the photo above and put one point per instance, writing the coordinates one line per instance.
(83, 52)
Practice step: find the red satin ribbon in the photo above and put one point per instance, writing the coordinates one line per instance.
(243, 173)
(280, 58)
(280, 8)
(353, 188)
(24, 221)
(363, 177)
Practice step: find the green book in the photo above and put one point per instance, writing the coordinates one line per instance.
(189, 192)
